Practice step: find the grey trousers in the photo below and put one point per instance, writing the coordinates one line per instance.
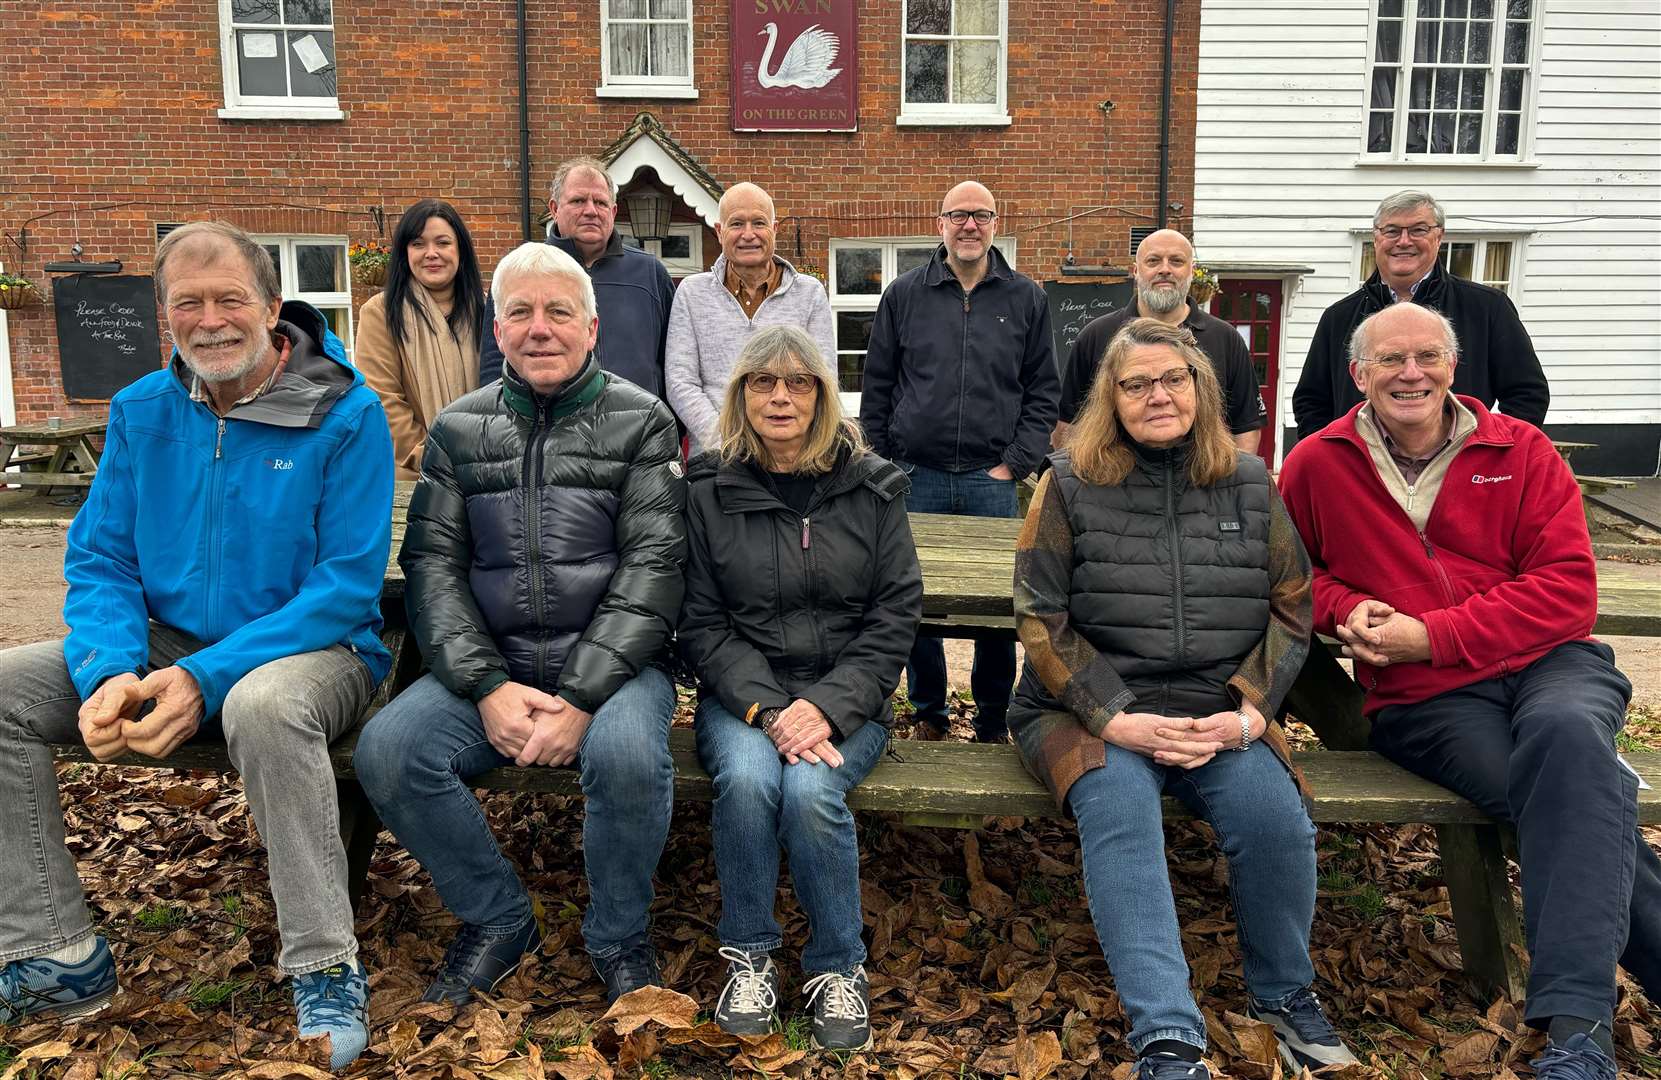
(277, 724)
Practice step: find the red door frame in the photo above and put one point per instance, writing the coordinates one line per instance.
(1254, 304)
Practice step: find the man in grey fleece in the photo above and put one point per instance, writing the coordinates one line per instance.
(715, 312)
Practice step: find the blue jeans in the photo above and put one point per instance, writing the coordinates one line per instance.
(1537, 748)
(415, 757)
(1254, 806)
(971, 494)
(761, 802)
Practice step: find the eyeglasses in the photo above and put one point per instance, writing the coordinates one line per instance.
(959, 217)
(763, 382)
(1140, 386)
(1393, 232)
(1427, 359)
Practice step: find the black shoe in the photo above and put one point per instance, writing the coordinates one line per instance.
(634, 966)
(478, 960)
(1307, 1038)
(1575, 1058)
(749, 1003)
(841, 1010)
(1169, 1067)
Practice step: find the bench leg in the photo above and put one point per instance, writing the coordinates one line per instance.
(1484, 910)
(359, 827)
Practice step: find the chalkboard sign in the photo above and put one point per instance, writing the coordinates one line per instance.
(1076, 304)
(106, 332)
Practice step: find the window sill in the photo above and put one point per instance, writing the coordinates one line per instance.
(683, 93)
(989, 119)
(278, 112)
(1437, 161)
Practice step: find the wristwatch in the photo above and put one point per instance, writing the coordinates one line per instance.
(767, 719)
(1245, 731)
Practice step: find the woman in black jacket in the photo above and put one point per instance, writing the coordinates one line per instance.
(1163, 598)
(803, 596)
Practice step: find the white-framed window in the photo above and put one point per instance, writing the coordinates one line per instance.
(954, 62)
(646, 49)
(314, 269)
(682, 251)
(278, 59)
(1451, 79)
(860, 271)
(1488, 260)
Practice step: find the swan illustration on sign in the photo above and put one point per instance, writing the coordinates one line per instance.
(807, 62)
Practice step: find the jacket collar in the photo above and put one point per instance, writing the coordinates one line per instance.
(316, 376)
(787, 274)
(614, 246)
(938, 273)
(1488, 431)
(740, 488)
(1432, 288)
(579, 390)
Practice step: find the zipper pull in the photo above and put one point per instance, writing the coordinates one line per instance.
(219, 439)
(1411, 488)
(1430, 553)
(805, 533)
(965, 303)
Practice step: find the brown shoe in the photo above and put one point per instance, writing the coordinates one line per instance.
(923, 731)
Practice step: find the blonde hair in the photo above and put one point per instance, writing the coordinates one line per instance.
(1100, 446)
(781, 349)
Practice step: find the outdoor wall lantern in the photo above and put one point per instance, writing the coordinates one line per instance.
(648, 213)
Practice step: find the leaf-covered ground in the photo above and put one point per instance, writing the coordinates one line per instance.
(983, 961)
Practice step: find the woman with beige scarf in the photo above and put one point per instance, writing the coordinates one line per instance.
(418, 340)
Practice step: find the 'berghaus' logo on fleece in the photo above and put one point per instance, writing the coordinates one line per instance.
(1478, 478)
(280, 464)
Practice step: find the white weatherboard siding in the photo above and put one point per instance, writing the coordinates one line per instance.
(1282, 87)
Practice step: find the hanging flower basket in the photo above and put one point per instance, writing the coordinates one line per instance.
(1204, 285)
(16, 292)
(369, 263)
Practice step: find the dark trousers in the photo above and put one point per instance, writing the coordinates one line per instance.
(1536, 748)
(991, 680)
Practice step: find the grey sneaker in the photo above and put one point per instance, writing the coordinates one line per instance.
(841, 1010)
(39, 986)
(1170, 1067)
(749, 1003)
(1307, 1038)
(1575, 1058)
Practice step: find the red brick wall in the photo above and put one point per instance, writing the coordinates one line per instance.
(118, 130)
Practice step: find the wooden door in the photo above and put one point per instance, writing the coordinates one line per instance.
(1252, 306)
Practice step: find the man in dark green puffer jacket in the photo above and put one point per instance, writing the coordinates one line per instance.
(543, 558)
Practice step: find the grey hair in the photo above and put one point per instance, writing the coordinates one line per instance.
(580, 164)
(264, 271)
(545, 260)
(1409, 199)
(1361, 340)
(774, 349)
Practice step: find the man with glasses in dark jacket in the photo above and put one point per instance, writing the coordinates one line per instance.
(960, 391)
(543, 565)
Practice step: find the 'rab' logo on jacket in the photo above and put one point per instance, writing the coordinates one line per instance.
(280, 464)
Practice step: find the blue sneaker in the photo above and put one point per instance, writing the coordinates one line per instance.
(38, 986)
(1575, 1058)
(335, 1002)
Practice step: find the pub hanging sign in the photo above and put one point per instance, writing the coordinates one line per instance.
(795, 65)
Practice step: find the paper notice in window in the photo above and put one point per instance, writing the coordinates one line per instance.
(259, 46)
(310, 54)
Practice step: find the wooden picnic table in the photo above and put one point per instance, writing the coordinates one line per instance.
(70, 442)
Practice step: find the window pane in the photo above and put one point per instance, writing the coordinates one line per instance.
(977, 17)
(925, 72)
(1369, 260)
(1419, 98)
(254, 11)
(630, 9)
(1389, 9)
(1516, 43)
(1454, 9)
(668, 50)
(1461, 260)
(1380, 129)
(311, 63)
(1496, 262)
(1453, 43)
(1482, 9)
(628, 49)
(1418, 132)
(975, 72)
(336, 318)
(1429, 9)
(1441, 133)
(260, 74)
(319, 268)
(928, 16)
(1447, 89)
(1384, 88)
(1260, 339)
(858, 271)
(668, 9)
(677, 246)
(850, 369)
(1471, 93)
(1424, 42)
(909, 258)
(1505, 134)
(1480, 35)
(1511, 90)
(1517, 9)
(307, 11)
(276, 254)
(1389, 42)
(1470, 133)
(853, 329)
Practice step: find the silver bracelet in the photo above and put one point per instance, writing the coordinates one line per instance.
(1245, 731)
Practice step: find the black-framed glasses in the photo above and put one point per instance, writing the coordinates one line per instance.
(1175, 381)
(1394, 232)
(764, 382)
(959, 217)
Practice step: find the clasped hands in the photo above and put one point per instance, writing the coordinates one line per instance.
(1376, 633)
(112, 720)
(803, 733)
(533, 727)
(1184, 741)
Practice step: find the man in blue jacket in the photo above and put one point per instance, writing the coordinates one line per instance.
(224, 580)
(631, 286)
(961, 392)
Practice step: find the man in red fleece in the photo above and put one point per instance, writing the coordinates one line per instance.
(1451, 558)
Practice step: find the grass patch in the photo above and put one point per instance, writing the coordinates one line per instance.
(798, 1032)
(1642, 730)
(1368, 901)
(657, 1069)
(1335, 881)
(158, 917)
(211, 995)
(953, 887)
